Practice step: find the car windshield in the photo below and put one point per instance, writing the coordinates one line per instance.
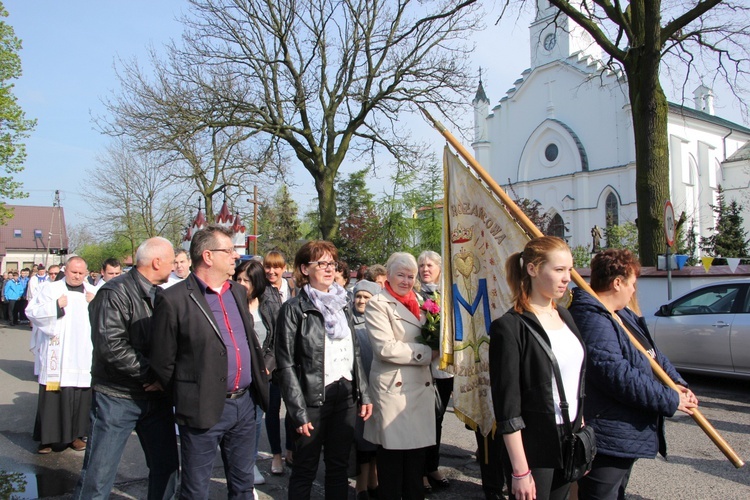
(709, 301)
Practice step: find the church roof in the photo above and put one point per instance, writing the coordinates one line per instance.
(741, 154)
(34, 228)
(200, 219)
(237, 226)
(702, 115)
(224, 216)
(481, 95)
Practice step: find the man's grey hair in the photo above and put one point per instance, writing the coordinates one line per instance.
(205, 239)
(181, 251)
(150, 249)
(400, 261)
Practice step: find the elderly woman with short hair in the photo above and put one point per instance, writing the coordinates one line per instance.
(403, 419)
(430, 264)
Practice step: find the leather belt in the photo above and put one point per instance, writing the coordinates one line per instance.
(236, 394)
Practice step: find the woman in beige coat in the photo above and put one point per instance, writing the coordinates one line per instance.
(403, 419)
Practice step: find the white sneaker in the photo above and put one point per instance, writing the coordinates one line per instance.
(259, 478)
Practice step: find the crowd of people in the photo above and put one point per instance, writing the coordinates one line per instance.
(202, 347)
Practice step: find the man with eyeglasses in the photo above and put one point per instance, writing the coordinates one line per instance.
(208, 355)
(53, 272)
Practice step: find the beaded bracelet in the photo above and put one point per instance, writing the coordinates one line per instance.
(521, 476)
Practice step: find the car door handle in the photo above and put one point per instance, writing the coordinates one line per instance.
(720, 324)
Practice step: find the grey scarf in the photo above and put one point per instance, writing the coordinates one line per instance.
(331, 305)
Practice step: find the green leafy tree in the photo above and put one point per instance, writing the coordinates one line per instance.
(688, 243)
(623, 236)
(360, 225)
(397, 232)
(117, 246)
(310, 226)
(729, 239)
(427, 202)
(581, 256)
(279, 225)
(14, 127)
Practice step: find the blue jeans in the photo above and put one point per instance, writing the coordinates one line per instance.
(234, 433)
(112, 421)
(273, 422)
(258, 428)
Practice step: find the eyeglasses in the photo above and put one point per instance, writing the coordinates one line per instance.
(325, 265)
(228, 251)
(53, 274)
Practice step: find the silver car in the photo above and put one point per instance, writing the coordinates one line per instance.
(707, 330)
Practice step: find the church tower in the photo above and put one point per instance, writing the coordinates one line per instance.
(554, 36)
(481, 106)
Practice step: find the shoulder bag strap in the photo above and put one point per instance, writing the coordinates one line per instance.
(556, 370)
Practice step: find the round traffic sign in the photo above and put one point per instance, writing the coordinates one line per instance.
(669, 223)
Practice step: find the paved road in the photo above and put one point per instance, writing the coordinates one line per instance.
(696, 469)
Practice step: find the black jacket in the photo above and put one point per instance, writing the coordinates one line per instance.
(189, 356)
(521, 381)
(268, 306)
(300, 349)
(120, 316)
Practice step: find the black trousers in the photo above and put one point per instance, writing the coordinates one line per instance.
(490, 458)
(444, 388)
(400, 473)
(607, 480)
(550, 483)
(333, 432)
(13, 311)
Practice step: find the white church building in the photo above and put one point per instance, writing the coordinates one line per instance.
(563, 136)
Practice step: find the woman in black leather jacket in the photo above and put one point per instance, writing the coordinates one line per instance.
(264, 311)
(319, 370)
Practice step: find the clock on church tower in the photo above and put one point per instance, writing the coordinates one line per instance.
(556, 37)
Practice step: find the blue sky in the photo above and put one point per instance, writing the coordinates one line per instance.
(69, 51)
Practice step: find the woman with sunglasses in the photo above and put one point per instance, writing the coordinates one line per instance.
(320, 372)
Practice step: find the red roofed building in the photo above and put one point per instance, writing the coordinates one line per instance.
(224, 218)
(34, 235)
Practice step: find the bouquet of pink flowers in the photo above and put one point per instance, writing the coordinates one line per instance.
(431, 328)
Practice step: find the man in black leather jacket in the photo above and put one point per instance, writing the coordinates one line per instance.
(127, 395)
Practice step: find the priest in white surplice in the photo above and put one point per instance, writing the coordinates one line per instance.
(60, 314)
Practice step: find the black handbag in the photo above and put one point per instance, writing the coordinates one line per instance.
(578, 448)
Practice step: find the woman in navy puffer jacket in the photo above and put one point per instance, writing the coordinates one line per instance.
(625, 402)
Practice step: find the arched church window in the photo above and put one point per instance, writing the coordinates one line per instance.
(612, 210)
(556, 227)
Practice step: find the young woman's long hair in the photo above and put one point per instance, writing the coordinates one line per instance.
(535, 252)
